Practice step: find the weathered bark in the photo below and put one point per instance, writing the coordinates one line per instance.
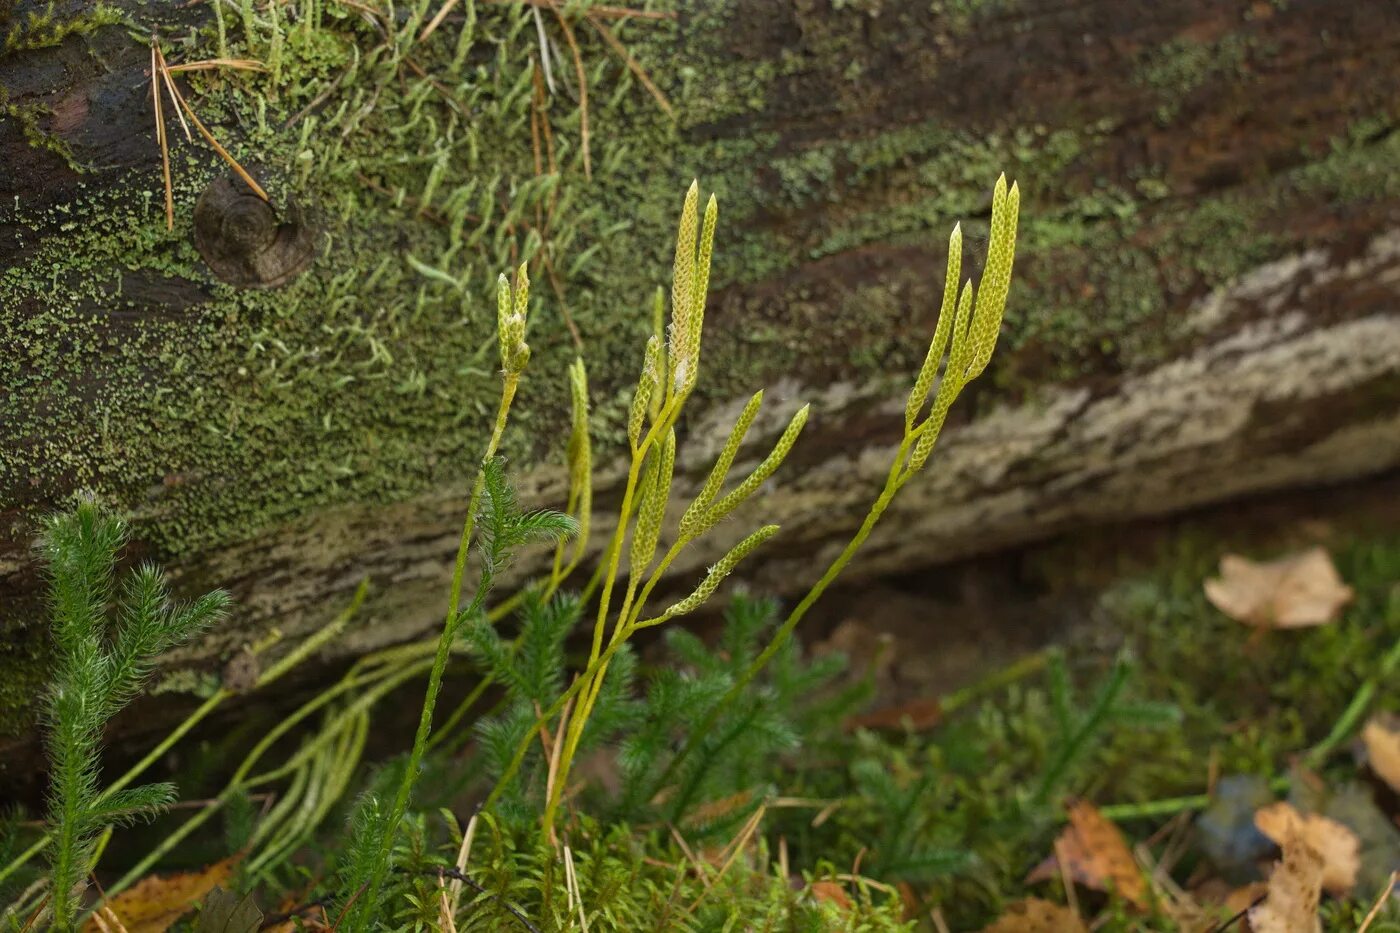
(1206, 300)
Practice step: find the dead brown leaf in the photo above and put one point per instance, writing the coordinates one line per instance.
(830, 892)
(1096, 856)
(1034, 915)
(153, 904)
(1241, 899)
(1381, 737)
(1297, 591)
(1337, 845)
(917, 715)
(1295, 890)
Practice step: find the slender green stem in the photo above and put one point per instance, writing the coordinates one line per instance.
(444, 651)
(1173, 805)
(461, 710)
(554, 709)
(591, 684)
(893, 482)
(1361, 701)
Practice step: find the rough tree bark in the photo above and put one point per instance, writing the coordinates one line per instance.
(1205, 304)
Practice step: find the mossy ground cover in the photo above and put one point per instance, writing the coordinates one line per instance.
(873, 831)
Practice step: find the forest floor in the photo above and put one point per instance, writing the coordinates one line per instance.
(1110, 732)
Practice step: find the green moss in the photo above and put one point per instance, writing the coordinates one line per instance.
(365, 379)
(43, 29)
(1176, 69)
(29, 117)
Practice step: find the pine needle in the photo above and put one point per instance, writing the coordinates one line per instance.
(610, 12)
(170, 85)
(208, 136)
(582, 87)
(632, 64)
(1375, 910)
(437, 19)
(161, 140)
(558, 287)
(209, 64)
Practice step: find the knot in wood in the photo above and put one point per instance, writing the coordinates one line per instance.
(248, 242)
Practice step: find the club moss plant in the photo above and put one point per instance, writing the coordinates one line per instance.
(320, 772)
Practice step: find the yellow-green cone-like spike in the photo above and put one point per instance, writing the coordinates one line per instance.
(652, 511)
(937, 347)
(764, 470)
(717, 573)
(648, 386)
(691, 521)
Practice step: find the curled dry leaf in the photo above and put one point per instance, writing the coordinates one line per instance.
(1297, 591)
(153, 904)
(1295, 889)
(1096, 856)
(830, 892)
(1034, 915)
(1335, 844)
(1381, 737)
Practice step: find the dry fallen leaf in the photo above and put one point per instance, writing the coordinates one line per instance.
(1295, 889)
(153, 904)
(830, 892)
(1241, 899)
(1034, 915)
(1096, 856)
(1382, 739)
(1336, 845)
(917, 715)
(1297, 591)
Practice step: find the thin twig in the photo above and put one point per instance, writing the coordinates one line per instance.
(582, 87)
(632, 64)
(1232, 920)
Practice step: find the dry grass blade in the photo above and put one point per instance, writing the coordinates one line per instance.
(731, 852)
(210, 64)
(437, 19)
(582, 88)
(558, 286)
(575, 893)
(544, 49)
(208, 136)
(553, 749)
(610, 12)
(1375, 910)
(161, 140)
(632, 64)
